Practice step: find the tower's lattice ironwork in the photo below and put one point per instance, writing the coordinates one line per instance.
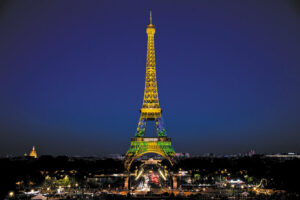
(150, 110)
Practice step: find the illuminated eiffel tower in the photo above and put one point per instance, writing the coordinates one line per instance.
(150, 110)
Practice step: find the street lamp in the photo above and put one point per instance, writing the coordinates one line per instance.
(11, 194)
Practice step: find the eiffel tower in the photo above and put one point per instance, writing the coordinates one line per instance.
(150, 111)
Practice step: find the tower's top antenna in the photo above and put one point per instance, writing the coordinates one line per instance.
(150, 17)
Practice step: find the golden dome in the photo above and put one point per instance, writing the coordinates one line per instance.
(33, 153)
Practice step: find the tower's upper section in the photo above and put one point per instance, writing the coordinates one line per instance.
(150, 28)
(150, 44)
(151, 107)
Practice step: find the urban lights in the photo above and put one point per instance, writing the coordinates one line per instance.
(11, 194)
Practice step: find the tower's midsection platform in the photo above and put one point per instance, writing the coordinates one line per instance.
(151, 110)
(151, 113)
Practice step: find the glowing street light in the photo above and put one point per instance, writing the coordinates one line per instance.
(11, 194)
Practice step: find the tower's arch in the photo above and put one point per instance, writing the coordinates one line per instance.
(143, 145)
(131, 160)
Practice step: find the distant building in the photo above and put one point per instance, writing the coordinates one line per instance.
(284, 156)
(251, 153)
(33, 153)
(182, 155)
(116, 156)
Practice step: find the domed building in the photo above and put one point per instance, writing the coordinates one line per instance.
(33, 153)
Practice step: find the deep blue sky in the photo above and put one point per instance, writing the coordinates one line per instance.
(72, 74)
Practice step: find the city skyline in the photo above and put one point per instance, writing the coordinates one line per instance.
(72, 75)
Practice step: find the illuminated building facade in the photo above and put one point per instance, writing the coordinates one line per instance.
(150, 110)
(33, 153)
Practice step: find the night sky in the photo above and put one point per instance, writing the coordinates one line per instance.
(72, 75)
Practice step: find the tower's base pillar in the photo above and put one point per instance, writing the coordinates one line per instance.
(174, 179)
(126, 183)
